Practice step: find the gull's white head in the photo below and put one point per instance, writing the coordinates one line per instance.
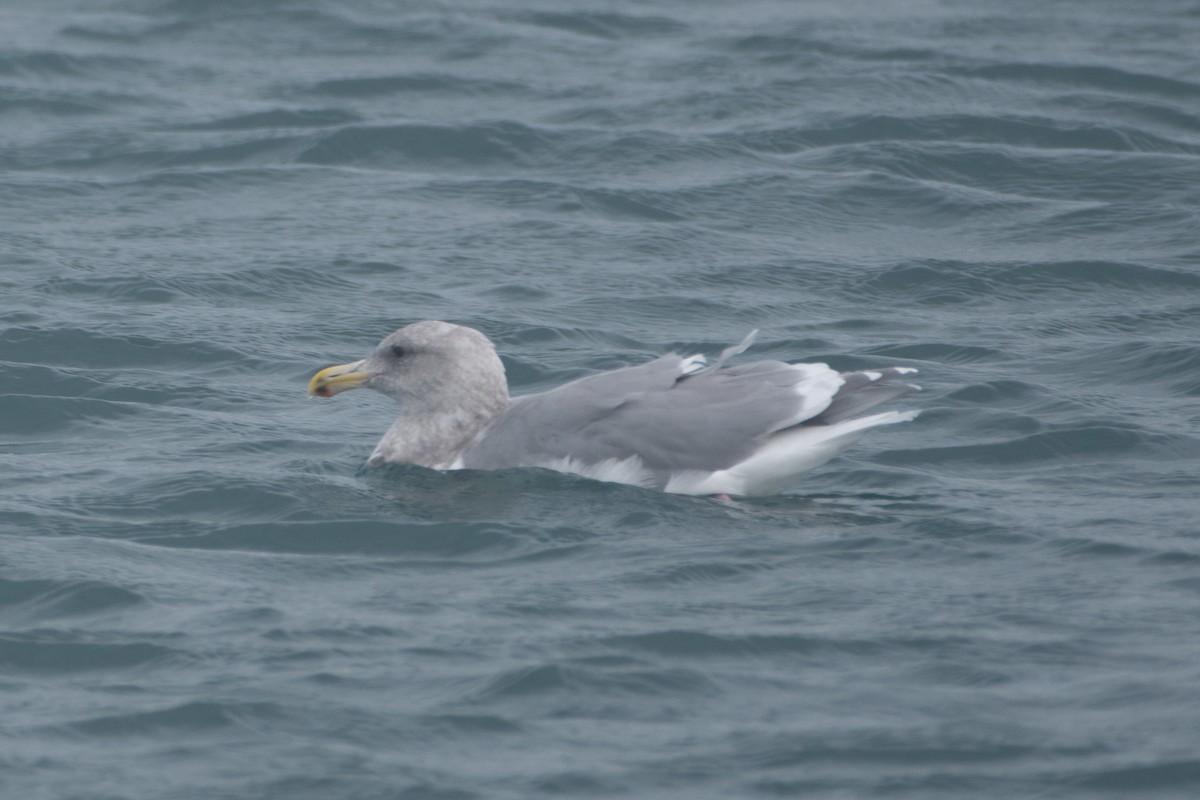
(428, 365)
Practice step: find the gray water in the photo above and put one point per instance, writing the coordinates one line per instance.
(203, 593)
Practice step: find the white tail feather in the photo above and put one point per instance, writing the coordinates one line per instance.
(784, 456)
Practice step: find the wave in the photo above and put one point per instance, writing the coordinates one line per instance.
(549, 681)
(1071, 443)
(600, 25)
(1174, 365)
(464, 542)
(210, 285)
(439, 83)
(43, 654)
(1090, 76)
(91, 348)
(939, 282)
(277, 119)
(39, 600)
(58, 64)
(194, 717)
(1042, 133)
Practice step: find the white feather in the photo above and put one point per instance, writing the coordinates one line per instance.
(693, 364)
(631, 471)
(815, 385)
(782, 457)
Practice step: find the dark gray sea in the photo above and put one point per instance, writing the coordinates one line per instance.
(204, 595)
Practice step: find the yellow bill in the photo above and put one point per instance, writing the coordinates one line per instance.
(332, 380)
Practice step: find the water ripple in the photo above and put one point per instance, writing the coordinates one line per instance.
(203, 591)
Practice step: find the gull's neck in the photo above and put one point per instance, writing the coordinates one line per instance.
(435, 438)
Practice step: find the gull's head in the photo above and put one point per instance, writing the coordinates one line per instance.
(427, 364)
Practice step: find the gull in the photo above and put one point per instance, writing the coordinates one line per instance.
(675, 424)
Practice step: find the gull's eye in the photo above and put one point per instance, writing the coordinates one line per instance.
(398, 351)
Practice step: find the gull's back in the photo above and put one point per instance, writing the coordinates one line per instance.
(673, 425)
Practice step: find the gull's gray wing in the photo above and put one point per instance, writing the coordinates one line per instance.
(665, 413)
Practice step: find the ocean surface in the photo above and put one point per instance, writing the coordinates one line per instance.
(204, 594)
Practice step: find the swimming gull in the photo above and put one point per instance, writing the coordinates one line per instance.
(676, 423)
